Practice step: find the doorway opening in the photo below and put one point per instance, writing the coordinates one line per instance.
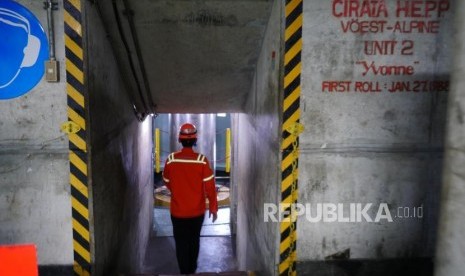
(217, 240)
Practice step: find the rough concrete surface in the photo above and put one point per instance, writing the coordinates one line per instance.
(121, 162)
(371, 136)
(255, 174)
(451, 246)
(195, 50)
(35, 202)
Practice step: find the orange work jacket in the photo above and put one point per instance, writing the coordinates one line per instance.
(190, 179)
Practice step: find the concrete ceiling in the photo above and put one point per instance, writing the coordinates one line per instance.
(187, 56)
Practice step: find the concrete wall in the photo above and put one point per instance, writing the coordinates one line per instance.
(121, 161)
(451, 247)
(372, 135)
(255, 167)
(35, 202)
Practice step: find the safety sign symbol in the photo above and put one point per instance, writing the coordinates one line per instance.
(23, 50)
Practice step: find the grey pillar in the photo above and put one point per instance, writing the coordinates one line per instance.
(450, 253)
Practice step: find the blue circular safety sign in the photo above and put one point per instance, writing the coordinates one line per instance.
(23, 50)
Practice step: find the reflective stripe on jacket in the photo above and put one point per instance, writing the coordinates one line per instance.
(190, 179)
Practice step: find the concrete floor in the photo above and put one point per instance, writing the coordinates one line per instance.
(216, 255)
(162, 226)
(216, 246)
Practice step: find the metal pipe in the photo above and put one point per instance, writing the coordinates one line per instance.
(140, 115)
(132, 27)
(157, 150)
(49, 6)
(228, 150)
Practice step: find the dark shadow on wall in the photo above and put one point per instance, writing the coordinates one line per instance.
(387, 267)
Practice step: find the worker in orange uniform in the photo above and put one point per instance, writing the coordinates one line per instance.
(190, 179)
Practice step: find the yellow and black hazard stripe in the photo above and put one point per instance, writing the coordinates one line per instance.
(77, 141)
(290, 132)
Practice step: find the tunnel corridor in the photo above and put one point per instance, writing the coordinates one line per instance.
(219, 62)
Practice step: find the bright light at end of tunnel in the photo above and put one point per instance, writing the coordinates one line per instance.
(146, 125)
(221, 114)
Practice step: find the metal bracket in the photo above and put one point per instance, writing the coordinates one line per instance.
(295, 129)
(70, 127)
(50, 5)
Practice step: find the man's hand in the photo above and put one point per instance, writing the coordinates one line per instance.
(215, 216)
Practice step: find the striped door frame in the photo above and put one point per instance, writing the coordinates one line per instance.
(78, 144)
(291, 128)
(78, 154)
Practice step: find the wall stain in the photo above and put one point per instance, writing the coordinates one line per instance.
(210, 18)
(341, 255)
(25, 122)
(379, 250)
(204, 18)
(11, 201)
(318, 186)
(460, 115)
(389, 115)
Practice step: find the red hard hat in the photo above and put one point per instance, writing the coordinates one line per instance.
(188, 131)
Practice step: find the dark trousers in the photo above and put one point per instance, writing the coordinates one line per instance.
(187, 237)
